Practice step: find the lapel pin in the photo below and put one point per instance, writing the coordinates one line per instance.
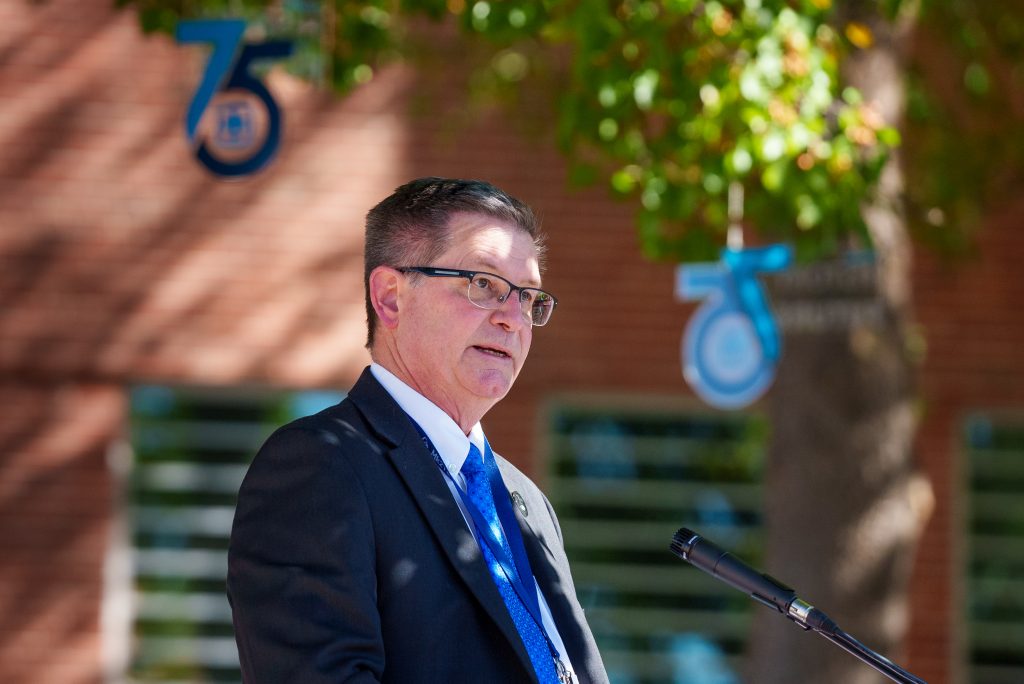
(517, 499)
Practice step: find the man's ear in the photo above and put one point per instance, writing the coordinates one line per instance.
(384, 285)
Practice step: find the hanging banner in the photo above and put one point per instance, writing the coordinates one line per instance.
(731, 344)
(243, 127)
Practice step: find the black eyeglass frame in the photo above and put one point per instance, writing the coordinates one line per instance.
(434, 272)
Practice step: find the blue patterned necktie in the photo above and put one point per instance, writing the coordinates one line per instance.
(478, 487)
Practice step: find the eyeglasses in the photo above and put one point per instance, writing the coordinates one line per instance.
(489, 291)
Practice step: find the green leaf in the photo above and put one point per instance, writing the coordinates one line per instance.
(644, 87)
(976, 78)
(666, 101)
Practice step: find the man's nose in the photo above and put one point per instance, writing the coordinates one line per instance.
(509, 313)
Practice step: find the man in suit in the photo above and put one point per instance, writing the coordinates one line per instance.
(382, 539)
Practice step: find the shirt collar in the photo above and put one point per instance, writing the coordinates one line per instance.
(445, 434)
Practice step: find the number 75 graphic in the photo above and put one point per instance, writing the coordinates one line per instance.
(731, 345)
(228, 69)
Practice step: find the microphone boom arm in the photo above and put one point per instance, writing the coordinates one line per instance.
(765, 589)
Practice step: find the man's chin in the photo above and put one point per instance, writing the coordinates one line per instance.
(493, 384)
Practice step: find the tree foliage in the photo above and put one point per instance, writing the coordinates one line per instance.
(671, 102)
(965, 141)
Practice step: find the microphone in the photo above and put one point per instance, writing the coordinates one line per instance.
(710, 558)
(721, 564)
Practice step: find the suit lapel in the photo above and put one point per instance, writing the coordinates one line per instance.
(417, 469)
(556, 584)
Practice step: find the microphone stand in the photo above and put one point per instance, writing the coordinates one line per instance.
(765, 589)
(866, 655)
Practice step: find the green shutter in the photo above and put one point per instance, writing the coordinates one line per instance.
(191, 450)
(995, 550)
(622, 482)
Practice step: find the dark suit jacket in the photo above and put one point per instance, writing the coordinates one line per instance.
(350, 561)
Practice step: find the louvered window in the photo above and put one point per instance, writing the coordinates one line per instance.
(623, 481)
(190, 450)
(995, 550)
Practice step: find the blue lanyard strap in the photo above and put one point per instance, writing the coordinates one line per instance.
(517, 567)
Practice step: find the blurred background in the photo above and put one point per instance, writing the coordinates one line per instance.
(158, 320)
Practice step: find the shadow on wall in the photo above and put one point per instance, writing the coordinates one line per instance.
(125, 258)
(123, 261)
(55, 510)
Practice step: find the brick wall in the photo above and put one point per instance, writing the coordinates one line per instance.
(122, 261)
(968, 312)
(55, 506)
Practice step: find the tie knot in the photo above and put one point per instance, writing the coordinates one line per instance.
(474, 464)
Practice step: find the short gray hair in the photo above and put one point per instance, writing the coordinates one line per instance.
(410, 227)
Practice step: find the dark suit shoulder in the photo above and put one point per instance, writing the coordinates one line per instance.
(338, 431)
(343, 420)
(311, 471)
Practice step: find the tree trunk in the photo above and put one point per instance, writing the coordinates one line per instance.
(844, 506)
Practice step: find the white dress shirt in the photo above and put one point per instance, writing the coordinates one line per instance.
(453, 447)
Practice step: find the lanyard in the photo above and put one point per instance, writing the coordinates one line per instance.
(516, 568)
(519, 567)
